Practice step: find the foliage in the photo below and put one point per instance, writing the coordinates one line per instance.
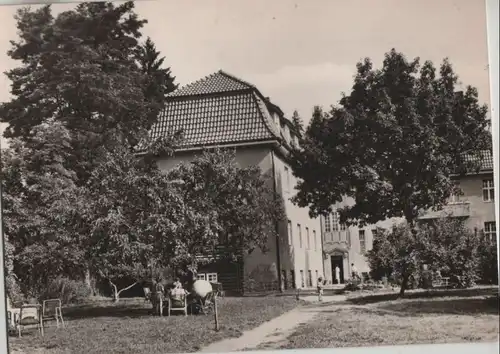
(488, 261)
(67, 290)
(84, 68)
(297, 122)
(392, 144)
(242, 206)
(85, 90)
(445, 245)
(135, 215)
(451, 247)
(39, 201)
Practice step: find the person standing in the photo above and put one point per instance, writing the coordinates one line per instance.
(320, 289)
(354, 271)
(337, 274)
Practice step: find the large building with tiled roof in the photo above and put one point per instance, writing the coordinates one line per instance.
(344, 246)
(221, 110)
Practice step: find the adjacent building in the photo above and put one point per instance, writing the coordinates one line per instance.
(344, 246)
(223, 111)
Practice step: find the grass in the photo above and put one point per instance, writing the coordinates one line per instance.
(126, 327)
(422, 317)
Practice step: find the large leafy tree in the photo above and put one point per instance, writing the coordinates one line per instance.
(393, 144)
(135, 215)
(80, 92)
(39, 202)
(246, 211)
(81, 68)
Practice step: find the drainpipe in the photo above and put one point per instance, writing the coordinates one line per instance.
(278, 256)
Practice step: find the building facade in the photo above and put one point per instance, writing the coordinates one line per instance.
(344, 246)
(223, 111)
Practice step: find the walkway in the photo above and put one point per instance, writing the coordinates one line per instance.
(276, 330)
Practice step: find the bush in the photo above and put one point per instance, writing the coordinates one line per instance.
(68, 290)
(488, 262)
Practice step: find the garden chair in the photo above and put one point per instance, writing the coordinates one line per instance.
(52, 310)
(30, 315)
(147, 294)
(177, 305)
(217, 288)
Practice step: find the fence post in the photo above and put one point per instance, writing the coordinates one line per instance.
(216, 314)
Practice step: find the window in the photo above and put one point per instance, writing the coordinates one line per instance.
(335, 221)
(287, 179)
(328, 225)
(488, 190)
(315, 240)
(342, 227)
(308, 239)
(212, 277)
(290, 233)
(309, 278)
(374, 233)
(302, 280)
(490, 230)
(299, 230)
(292, 278)
(201, 276)
(362, 241)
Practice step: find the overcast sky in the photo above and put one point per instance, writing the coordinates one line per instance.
(301, 53)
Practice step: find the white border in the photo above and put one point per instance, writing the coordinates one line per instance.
(492, 10)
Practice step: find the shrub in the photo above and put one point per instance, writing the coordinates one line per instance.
(68, 290)
(488, 262)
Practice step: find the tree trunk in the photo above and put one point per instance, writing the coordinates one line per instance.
(116, 292)
(89, 282)
(404, 285)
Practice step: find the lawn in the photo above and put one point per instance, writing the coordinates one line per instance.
(429, 317)
(126, 327)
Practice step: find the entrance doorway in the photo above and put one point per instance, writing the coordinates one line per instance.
(337, 261)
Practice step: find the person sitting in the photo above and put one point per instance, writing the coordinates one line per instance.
(177, 283)
(177, 294)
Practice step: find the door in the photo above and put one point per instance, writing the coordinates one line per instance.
(338, 261)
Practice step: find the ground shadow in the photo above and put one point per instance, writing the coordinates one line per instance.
(454, 306)
(374, 298)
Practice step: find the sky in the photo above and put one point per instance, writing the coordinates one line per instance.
(300, 53)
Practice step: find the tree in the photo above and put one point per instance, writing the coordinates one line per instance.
(81, 68)
(39, 200)
(297, 122)
(488, 260)
(159, 80)
(136, 216)
(79, 76)
(444, 244)
(395, 254)
(245, 209)
(393, 145)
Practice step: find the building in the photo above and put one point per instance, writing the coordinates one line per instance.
(344, 246)
(221, 110)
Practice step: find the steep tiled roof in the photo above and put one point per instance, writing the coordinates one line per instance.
(207, 119)
(216, 83)
(486, 160)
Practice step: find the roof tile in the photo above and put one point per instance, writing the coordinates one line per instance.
(213, 120)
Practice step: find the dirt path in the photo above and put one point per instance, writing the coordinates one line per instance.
(274, 332)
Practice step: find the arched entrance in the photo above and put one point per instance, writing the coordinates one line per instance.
(338, 259)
